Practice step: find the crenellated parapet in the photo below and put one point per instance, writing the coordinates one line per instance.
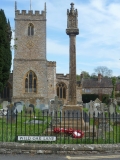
(51, 64)
(30, 13)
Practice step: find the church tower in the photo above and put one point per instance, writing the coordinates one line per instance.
(30, 78)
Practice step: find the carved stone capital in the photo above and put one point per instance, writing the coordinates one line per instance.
(74, 31)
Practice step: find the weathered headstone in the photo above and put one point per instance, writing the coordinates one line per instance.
(112, 106)
(4, 105)
(42, 106)
(28, 111)
(38, 104)
(11, 114)
(105, 126)
(27, 103)
(87, 105)
(18, 106)
(56, 105)
(91, 110)
(85, 117)
(32, 106)
(32, 101)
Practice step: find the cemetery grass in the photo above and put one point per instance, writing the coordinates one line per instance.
(22, 126)
(10, 131)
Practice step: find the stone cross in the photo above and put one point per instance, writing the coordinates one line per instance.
(72, 31)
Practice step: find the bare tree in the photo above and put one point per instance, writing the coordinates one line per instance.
(104, 71)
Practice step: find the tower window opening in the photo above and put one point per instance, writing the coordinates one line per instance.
(30, 29)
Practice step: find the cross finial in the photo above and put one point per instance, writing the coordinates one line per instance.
(72, 5)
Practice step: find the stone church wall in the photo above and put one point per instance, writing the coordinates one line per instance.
(38, 67)
(51, 78)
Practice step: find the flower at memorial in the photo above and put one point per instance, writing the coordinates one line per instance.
(70, 131)
(58, 130)
(77, 134)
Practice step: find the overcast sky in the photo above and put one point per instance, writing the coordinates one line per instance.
(98, 43)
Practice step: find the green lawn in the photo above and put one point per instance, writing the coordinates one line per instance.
(10, 131)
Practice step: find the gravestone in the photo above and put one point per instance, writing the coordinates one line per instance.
(32, 106)
(22, 102)
(32, 101)
(11, 114)
(38, 104)
(56, 106)
(85, 117)
(42, 106)
(18, 106)
(4, 105)
(87, 105)
(45, 112)
(29, 111)
(115, 118)
(105, 126)
(112, 106)
(27, 103)
(91, 110)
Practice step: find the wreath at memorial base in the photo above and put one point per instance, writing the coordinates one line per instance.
(70, 131)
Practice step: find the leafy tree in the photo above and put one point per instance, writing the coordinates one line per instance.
(104, 71)
(85, 74)
(114, 84)
(77, 77)
(5, 50)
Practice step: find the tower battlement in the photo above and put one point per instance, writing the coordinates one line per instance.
(51, 63)
(30, 13)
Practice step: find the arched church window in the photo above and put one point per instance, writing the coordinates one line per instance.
(30, 29)
(30, 82)
(61, 90)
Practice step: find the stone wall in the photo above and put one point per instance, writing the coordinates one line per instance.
(23, 148)
(98, 91)
(51, 78)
